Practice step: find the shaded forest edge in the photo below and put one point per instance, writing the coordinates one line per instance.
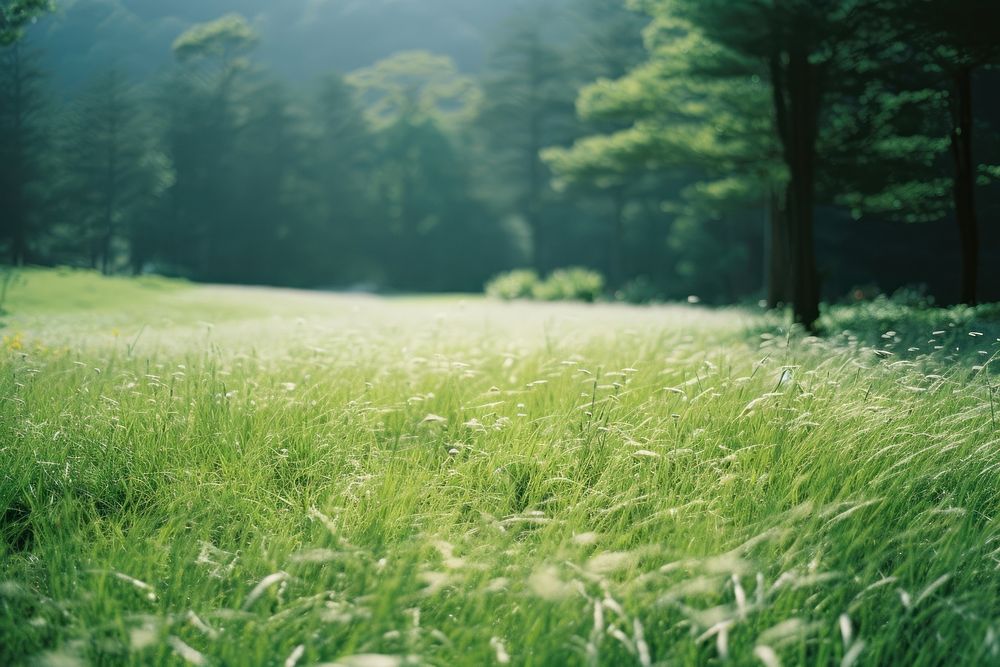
(806, 152)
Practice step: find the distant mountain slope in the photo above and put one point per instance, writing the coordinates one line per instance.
(301, 39)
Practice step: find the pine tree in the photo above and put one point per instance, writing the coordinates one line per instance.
(528, 106)
(810, 48)
(16, 14)
(694, 112)
(339, 172)
(953, 39)
(113, 173)
(203, 116)
(23, 148)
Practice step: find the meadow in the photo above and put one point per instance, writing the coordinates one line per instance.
(238, 476)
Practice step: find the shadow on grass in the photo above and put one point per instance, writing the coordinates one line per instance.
(905, 328)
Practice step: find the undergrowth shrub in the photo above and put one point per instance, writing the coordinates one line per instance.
(518, 284)
(573, 284)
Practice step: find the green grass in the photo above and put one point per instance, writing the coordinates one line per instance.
(70, 290)
(250, 477)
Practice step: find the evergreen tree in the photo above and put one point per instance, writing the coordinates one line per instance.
(202, 104)
(261, 235)
(694, 111)
(609, 43)
(340, 169)
(608, 39)
(810, 47)
(528, 106)
(113, 173)
(954, 39)
(438, 236)
(419, 81)
(16, 14)
(23, 148)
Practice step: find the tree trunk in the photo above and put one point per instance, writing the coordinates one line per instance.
(111, 180)
(135, 259)
(776, 249)
(964, 186)
(18, 205)
(535, 170)
(533, 196)
(19, 243)
(796, 84)
(106, 252)
(616, 248)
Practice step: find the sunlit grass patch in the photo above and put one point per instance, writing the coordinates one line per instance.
(62, 290)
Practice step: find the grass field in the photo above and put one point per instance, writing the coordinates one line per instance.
(224, 476)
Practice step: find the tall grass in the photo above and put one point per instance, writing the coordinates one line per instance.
(309, 479)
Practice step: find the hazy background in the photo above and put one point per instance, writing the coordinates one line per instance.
(300, 39)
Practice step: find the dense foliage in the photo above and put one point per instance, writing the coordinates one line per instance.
(678, 148)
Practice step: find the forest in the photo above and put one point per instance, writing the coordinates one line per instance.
(789, 152)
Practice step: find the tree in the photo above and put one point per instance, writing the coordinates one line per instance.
(202, 124)
(696, 112)
(955, 39)
(809, 48)
(16, 14)
(438, 236)
(113, 172)
(609, 38)
(416, 80)
(267, 165)
(890, 148)
(609, 43)
(217, 45)
(23, 146)
(718, 239)
(430, 230)
(340, 168)
(528, 106)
